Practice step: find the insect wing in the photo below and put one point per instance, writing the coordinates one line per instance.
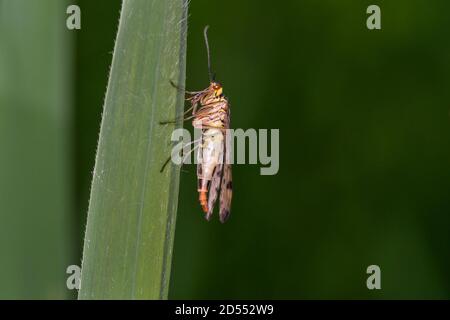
(214, 189)
(226, 194)
(226, 191)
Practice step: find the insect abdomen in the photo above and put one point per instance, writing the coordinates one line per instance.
(210, 153)
(203, 198)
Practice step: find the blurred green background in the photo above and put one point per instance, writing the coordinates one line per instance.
(364, 148)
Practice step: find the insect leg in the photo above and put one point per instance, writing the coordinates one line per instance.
(175, 121)
(193, 108)
(190, 151)
(192, 142)
(165, 164)
(183, 89)
(184, 159)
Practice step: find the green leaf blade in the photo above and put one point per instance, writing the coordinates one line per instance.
(132, 210)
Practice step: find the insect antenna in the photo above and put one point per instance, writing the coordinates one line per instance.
(211, 74)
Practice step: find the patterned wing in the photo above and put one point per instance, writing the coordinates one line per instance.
(226, 191)
(214, 190)
(226, 194)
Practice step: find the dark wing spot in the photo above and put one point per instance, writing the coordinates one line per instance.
(224, 216)
(229, 185)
